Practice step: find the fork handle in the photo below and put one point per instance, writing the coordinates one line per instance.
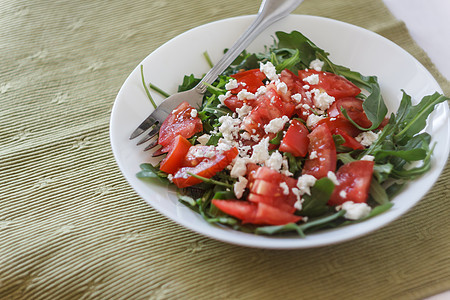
(269, 12)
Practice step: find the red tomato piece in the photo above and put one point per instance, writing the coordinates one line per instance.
(233, 102)
(342, 124)
(295, 86)
(354, 109)
(179, 122)
(269, 106)
(266, 214)
(335, 85)
(255, 213)
(174, 159)
(250, 80)
(206, 168)
(243, 210)
(197, 154)
(321, 143)
(296, 140)
(349, 141)
(354, 182)
(272, 201)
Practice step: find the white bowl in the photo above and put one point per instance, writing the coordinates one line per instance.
(349, 45)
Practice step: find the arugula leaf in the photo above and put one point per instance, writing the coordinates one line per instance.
(316, 203)
(148, 171)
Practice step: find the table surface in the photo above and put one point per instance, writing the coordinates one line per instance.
(72, 228)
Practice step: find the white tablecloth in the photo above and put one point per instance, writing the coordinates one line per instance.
(429, 24)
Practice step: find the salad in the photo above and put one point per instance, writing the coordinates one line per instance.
(286, 141)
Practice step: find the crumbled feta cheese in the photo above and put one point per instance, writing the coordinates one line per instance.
(322, 100)
(239, 186)
(269, 70)
(203, 139)
(313, 155)
(224, 97)
(306, 87)
(239, 167)
(366, 138)
(170, 177)
(245, 135)
(355, 211)
(298, 204)
(285, 168)
(193, 113)
(304, 184)
(229, 127)
(285, 188)
(316, 64)
(204, 152)
(261, 151)
(297, 98)
(332, 177)
(306, 106)
(244, 110)
(232, 84)
(312, 79)
(313, 119)
(343, 194)
(276, 124)
(261, 90)
(245, 95)
(368, 157)
(281, 86)
(275, 161)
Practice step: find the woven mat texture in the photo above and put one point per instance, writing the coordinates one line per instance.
(72, 228)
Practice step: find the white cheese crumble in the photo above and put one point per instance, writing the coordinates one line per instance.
(316, 64)
(244, 110)
(366, 138)
(343, 194)
(269, 70)
(170, 177)
(368, 157)
(203, 139)
(332, 177)
(285, 188)
(261, 151)
(312, 79)
(239, 186)
(281, 86)
(306, 87)
(313, 155)
(245, 95)
(322, 100)
(355, 211)
(313, 119)
(276, 124)
(232, 84)
(261, 90)
(298, 204)
(297, 98)
(275, 161)
(304, 184)
(224, 97)
(239, 167)
(204, 152)
(229, 127)
(193, 113)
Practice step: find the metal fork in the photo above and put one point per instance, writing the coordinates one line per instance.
(269, 12)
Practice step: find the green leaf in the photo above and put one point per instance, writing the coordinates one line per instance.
(148, 171)
(378, 193)
(271, 230)
(316, 203)
(414, 120)
(189, 82)
(408, 155)
(374, 107)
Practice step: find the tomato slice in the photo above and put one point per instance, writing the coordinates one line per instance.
(354, 109)
(296, 140)
(197, 154)
(349, 141)
(342, 124)
(250, 80)
(321, 143)
(174, 159)
(269, 106)
(335, 85)
(255, 213)
(206, 168)
(179, 122)
(354, 182)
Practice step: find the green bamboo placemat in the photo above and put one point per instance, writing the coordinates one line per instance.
(72, 228)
